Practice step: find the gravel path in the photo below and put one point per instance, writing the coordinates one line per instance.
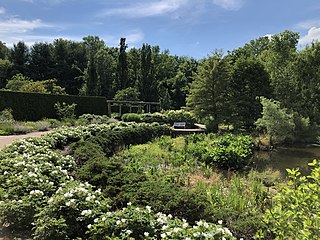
(6, 140)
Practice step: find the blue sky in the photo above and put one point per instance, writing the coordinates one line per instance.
(192, 28)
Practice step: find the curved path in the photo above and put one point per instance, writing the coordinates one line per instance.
(6, 140)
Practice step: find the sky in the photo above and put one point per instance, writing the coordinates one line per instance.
(193, 28)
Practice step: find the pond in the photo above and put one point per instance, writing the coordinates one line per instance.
(283, 158)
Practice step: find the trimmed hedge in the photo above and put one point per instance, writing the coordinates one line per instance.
(36, 106)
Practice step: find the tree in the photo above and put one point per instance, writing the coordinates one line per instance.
(127, 94)
(122, 66)
(277, 122)
(306, 75)
(41, 61)
(4, 51)
(279, 63)
(208, 91)
(5, 70)
(17, 81)
(134, 67)
(248, 82)
(93, 45)
(20, 58)
(145, 85)
(106, 71)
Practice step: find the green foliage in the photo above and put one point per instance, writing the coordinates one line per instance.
(166, 198)
(249, 81)
(6, 115)
(224, 152)
(180, 116)
(295, 210)
(93, 119)
(65, 111)
(142, 223)
(127, 94)
(5, 70)
(207, 97)
(35, 106)
(131, 117)
(17, 82)
(284, 126)
(69, 211)
(240, 202)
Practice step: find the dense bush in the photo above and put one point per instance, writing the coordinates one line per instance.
(180, 116)
(93, 119)
(167, 198)
(131, 117)
(38, 190)
(154, 117)
(224, 152)
(296, 209)
(142, 223)
(69, 211)
(36, 106)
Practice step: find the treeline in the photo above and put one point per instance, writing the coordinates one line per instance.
(91, 68)
(228, 88)
(224, 88)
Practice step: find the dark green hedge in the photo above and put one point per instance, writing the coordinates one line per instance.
(35, 106)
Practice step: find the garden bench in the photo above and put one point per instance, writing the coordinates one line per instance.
(179, 125)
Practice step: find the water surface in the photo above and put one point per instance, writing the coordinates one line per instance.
(287, 157)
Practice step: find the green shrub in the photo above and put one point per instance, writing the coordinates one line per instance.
(42, 125)
(65, 111)
(224, 152)
(36, 106)
(296, 209)
(131, 117)
(69, 211)
(22, 128)
(6, 128)
(93, 119)
(142, 223)
(154, 117)
(6, 115)
(167, 198)
(180, 116)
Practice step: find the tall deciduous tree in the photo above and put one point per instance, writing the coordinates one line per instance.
(122, 65)
(106, 66)
(93, 45)
(208, 91)
(145, 84)
(248, 82)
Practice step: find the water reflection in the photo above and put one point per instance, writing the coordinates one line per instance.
(283, 158)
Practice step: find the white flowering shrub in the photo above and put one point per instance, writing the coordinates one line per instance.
(69, 211)
(37, 188)
(27, 181)
(143, 223)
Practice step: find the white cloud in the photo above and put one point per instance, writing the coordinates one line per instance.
(143, 9)
(47, 2)
(2, 10)
(232, 5)
(15, 25)
(308, 24)
(133, 37)
(30, 39)
(312, 35)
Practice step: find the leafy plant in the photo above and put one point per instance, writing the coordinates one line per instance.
(296, 209)
(65, 111)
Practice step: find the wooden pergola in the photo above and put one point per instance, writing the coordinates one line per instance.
(140, 105)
